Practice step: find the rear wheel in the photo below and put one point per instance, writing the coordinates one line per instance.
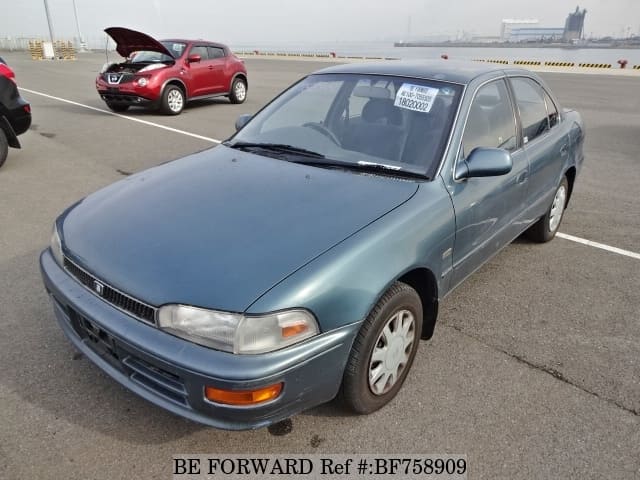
(172, 100)
(547, 227)
(383, 351)
(4, 147)
(117, 107)
(238, 91)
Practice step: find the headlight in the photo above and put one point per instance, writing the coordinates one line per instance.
(56, 246)
(237, 333)
(142, 82)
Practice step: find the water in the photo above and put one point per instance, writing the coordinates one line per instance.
(386, 49)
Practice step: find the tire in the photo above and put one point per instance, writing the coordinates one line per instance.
(547, 226)
(4, 147)
(117, 107)
(172, 100)
(400, 305)
(238, 92)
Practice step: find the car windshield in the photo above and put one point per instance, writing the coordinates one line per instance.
(396, 123)
(176, 49)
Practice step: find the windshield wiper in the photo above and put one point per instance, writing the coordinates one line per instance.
(275, 147)
(385, 169)
(319, 160)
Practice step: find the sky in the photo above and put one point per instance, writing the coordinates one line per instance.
(256, 22)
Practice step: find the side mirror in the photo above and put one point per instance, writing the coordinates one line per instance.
(194, 58)
(484, 162)
(243, 120)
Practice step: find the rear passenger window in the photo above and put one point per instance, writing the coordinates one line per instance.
(216, 52)
(491, 121)
(552, 111)
(531, 104)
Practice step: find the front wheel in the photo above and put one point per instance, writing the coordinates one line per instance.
(383, 351)
(547, 227)
(117, 107)
(238, 92)
(172, 100)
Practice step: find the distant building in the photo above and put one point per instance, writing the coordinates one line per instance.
(509, 24)
(536, 34)
(574, 25)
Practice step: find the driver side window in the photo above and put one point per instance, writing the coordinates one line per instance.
(199, 50)
(491, 122)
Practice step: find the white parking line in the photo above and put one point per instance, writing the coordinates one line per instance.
(565, 236)
(126, 117)
(601, 246)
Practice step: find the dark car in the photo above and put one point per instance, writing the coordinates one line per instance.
(306, 256)
(167, 74)
(15, 112)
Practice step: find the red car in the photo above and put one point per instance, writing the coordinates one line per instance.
(167, 74)
(15, 112)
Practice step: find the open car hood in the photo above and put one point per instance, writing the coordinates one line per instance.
(129, 41)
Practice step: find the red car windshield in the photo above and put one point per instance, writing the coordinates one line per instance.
(175, 48)
(150, 57)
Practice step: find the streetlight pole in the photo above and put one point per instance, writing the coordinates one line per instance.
(46, 9)
(80, 39)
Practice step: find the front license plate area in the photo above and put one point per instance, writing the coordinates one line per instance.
(96, 338)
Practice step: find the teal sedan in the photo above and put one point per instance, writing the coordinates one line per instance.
(304, 258)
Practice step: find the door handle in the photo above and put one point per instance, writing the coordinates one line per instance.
(210, 67)
(564, 150)
(522, 177)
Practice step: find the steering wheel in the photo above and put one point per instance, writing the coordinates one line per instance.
(318, 127)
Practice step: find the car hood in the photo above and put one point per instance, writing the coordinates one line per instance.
(219, 228)
(129, 41)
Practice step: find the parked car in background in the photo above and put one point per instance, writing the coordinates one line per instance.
(169, 73)
(306, 256)
(15, 112)
(5, 70)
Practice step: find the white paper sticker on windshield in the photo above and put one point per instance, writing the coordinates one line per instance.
(415, 97)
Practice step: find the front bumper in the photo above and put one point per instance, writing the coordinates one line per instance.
(172, 373)
(129, 93)
(117, 98)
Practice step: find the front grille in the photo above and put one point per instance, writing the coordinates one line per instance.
(124, 302)
(117, 78)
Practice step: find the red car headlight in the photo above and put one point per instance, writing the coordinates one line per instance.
(142, 82)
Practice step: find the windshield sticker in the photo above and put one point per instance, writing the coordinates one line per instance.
(415, 97)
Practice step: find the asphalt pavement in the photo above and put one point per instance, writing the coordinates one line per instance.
(533, 372)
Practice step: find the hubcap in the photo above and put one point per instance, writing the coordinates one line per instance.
(240, 91)
(174, 99)
(557, 208)
(391, 352)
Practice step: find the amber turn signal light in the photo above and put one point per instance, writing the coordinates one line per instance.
(243, 397)
(293, 330)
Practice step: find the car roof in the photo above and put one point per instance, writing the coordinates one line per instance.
(454, 71)
(199, 40)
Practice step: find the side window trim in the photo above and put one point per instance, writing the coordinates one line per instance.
(542, 92)
(553, 104)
